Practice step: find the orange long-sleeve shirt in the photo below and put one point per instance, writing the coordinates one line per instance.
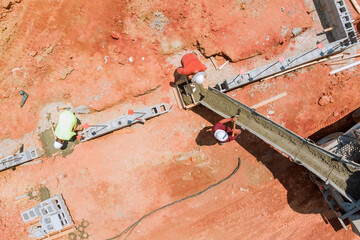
(191, 65)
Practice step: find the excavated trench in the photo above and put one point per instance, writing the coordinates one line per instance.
(324, 164)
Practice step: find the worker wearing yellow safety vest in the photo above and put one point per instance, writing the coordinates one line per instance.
(65, 128)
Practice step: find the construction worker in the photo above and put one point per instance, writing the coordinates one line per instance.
(65, 128)
(192, 68)
(224, 134)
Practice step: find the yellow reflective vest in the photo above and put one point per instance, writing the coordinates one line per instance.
(64, 128)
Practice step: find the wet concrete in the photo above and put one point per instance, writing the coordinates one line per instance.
(44, 193)
(47, 140)
(326, 164)
(41, 193)
(187, 99)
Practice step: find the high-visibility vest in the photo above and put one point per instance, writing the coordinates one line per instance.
(64, 128)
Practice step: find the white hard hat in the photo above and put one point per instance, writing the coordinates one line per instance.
(198, 78)
(221, 135)
(57, 145)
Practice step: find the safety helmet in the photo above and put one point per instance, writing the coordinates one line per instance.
(221, 135)
(198, 78)
(57, 145)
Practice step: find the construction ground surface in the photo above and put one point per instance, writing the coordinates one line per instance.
(61, 53)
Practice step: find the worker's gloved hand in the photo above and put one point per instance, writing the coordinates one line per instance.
(191, 65)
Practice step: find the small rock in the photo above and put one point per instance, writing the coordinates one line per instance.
(49, 49)
(131, 59)
(66, 72)
(67, 95)
(17, 1)
(267, 57)
(296, 31)
(336, 113)
(203, 125)
(33, 53)
(243, 6)
(324, 100)
(39, 58)
(271, 112)
(214, 28)
(281, 41)
(167, 71)
(115, 35)
(267, 38)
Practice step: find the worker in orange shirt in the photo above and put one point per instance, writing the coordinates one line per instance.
(192, 68)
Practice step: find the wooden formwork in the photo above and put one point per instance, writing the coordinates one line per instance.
(177, 91)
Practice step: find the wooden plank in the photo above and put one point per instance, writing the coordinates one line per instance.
(35, 222)
(176, 96)
(356, 5)
(327, 29)
(180, 98)
(213, 62)
(281, 95)
(223, 65)
(21, 197)
(345, 67)
(304, 65)
(26, 196)
(190, 106)
(335, 56)
(290, 70)
(336, 62)
(352, 56)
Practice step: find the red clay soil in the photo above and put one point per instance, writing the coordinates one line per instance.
(63, 51)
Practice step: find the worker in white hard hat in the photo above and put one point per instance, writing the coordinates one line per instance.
(192, 68)
(198, 78)
(223, 133)
(65, 128)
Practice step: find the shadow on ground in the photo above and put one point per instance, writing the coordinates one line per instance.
(303, 195)
(341, 125)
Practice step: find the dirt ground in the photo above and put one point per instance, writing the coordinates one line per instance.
(114, 56)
